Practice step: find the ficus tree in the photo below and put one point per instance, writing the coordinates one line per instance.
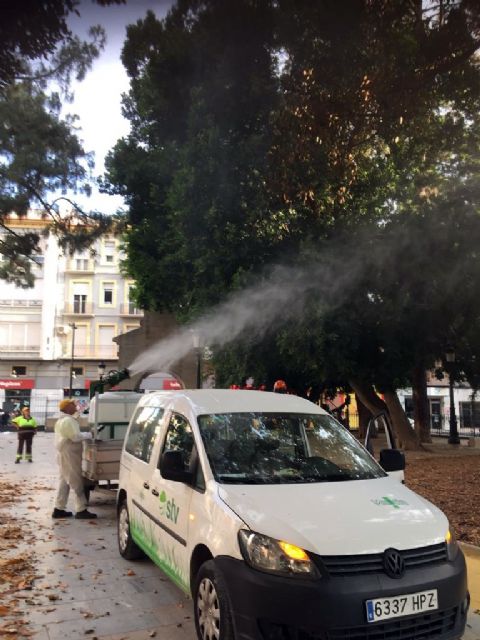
(261, 130)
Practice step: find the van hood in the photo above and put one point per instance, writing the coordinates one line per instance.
(339, 518)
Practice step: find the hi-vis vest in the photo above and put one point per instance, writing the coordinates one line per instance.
(23, 423)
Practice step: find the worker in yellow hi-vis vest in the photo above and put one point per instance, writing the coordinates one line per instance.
(26, 428)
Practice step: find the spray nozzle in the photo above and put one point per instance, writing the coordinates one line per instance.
(115, 376)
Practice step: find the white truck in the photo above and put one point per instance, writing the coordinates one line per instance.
(108, 419)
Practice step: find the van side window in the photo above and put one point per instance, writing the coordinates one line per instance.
(143, 431)
(180, 438)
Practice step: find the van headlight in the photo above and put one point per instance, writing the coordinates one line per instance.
(452, 544)
(275, 556)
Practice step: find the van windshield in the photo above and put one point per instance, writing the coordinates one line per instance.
(274, 448)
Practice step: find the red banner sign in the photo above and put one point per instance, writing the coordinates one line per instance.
(171, 383)
(17, 383)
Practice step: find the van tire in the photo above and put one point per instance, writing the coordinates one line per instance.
(127, 547)
(210, 594)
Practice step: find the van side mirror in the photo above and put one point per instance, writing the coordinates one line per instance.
(392, 460)
(172, 467)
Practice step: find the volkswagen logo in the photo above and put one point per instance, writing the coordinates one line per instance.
(393, 563)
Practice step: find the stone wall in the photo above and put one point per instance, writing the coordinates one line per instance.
(154, 326)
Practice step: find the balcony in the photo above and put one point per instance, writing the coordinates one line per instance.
(20, 351)
(130, 309)
(83, 352)
(78, 308)
(20, 303)
(80, 265)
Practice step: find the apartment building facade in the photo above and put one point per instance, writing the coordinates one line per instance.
(54, 336)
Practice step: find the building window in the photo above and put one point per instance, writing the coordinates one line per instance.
(108, 293)
(19, 371)
(81, 264)
(470, 415)
(131, 307)
(109, 251)
(77, 371)
(106, 348)
(79, 303)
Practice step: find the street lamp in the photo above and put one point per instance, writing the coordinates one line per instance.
(101, 369)
(196, 346)
(73, 327)
(450, 358)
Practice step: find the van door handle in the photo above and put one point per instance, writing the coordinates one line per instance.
(146, 485)
(155, 492)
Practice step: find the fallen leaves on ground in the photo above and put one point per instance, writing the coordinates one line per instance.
(451, 483)
(17, 567)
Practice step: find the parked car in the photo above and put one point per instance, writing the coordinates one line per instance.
(281, 525)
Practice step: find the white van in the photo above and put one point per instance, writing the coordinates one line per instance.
(281, 525)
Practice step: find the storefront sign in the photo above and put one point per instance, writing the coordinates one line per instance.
(170, 384)
(17, 383)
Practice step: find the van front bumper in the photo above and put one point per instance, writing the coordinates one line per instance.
(269, 607)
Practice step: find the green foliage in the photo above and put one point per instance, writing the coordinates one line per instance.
(294, 131)
(201, 95)
(41, 153)
(37, 32)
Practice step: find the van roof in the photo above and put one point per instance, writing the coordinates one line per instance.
(207, 401)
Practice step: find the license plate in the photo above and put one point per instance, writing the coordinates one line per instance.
(407, 605)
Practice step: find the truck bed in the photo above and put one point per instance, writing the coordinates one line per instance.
(101, 459)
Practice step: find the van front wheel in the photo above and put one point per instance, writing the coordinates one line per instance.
(127, 547)
(213, 618)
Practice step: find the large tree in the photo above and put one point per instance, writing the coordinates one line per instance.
(263, 130)
(42, 156)
(202, 90)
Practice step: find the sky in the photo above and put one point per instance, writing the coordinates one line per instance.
(98, 98)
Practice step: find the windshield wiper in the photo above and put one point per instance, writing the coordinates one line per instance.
(283, 479)
(243, 479)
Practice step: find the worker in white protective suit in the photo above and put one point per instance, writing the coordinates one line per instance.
(68, 442)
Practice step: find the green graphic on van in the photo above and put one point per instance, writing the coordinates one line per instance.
(392, 502)
(147, 538)
(168, 508)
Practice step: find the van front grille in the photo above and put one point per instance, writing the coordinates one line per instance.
(436, 624)
(419, 627)
(373, 563)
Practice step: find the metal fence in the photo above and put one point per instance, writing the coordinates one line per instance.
(440, 427)
(443, 430)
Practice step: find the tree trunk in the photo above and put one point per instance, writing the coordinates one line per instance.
(407, 438)
(421, 406)
(364, 416)
(366, 394)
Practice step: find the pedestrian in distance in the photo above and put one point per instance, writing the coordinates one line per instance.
(68, 443)
(26, 429)
(4, 419)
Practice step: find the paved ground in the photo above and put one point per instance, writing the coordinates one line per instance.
(82, 586)
(77, 585)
